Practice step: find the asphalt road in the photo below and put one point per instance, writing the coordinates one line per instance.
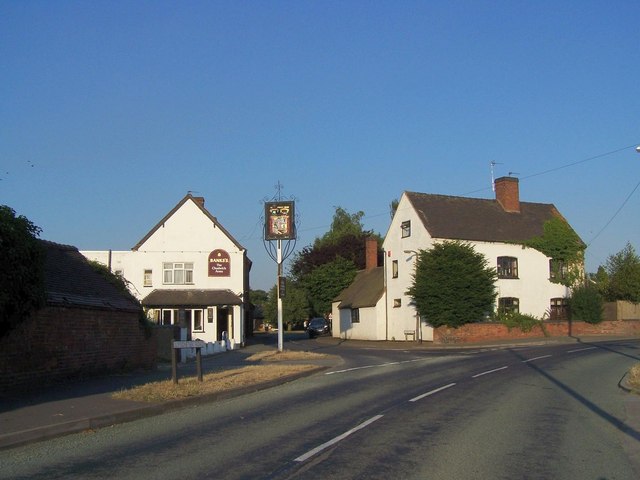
(535, 412)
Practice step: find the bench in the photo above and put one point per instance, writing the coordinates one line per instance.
(408, 333)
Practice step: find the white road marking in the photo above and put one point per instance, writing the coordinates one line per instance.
(582, 349)
(335, 440)
(489, 371)
(420, 397)
(536, 358)
(375, 366)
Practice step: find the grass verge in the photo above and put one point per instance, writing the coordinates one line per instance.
(223, 381)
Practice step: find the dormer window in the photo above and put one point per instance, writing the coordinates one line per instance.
(507, 267)
(406, 228)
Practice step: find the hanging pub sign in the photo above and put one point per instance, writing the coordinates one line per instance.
(279, 221)
(219, 264)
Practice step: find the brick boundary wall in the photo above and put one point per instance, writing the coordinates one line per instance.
(58, 344)
(483, 332)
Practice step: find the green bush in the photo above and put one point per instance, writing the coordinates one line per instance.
(452, 285)
(521, 321)
(586, 304)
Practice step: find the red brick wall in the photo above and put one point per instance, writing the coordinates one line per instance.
(61, 343)
(483, 332)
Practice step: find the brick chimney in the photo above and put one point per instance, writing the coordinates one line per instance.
(508, 194)
(371, 253)
(199, 201)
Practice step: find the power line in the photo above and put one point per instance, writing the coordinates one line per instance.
(615, 214)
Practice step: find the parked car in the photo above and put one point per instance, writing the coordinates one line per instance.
(318, 326)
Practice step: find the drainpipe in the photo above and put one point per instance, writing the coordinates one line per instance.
(386, 304)
(109, 261)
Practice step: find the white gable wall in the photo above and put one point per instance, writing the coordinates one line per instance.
(403, 317)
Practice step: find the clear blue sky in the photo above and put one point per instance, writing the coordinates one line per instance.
(110, 111)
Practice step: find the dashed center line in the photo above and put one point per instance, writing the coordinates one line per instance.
(420, 397)
(335, 440)
(489, 371)
(536, 358)
(582, 349)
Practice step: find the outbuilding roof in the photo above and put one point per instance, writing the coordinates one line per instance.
(365, 290)
(71, 281)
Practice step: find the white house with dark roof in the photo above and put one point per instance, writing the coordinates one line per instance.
(496, 228)
(188, 270)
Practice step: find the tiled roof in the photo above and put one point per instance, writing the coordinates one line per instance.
(71, 281)
(365, 290)
(190, 298)
(460, 218)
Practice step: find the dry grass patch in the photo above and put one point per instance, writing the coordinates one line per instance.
(276, 356)
(634, 377)
(212, 383)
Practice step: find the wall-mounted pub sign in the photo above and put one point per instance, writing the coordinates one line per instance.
(279, 221)
(219, 264)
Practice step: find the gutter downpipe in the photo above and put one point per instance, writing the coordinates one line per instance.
(386, 304)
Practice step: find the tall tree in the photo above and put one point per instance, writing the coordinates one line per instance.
(622, 279)
(22, 275)
(330, 264)
(453, 285)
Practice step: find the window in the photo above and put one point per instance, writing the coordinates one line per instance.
(169, 317)
(557, 270)
(394, 269)
(177, 273)
(355, 315)
(397, 302)
(210, 315)
(147, 278)
(406, 228)
(559, 309)
(119, 272)
(507, 267)
(198, 324)
(508, 305)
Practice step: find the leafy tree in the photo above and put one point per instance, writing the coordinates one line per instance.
(325, 282)
(295, 305)
(22, 276)
(453, 285)
(586, 304)
(259, 299)
(330, 264)
(393, 207)
(621, 277)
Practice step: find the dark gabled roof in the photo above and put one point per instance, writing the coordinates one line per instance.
(191, 298)
(71, 281)
(199, 202)
(365, 290)
(461, 218)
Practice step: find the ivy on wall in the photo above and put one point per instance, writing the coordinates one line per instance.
(560, 243)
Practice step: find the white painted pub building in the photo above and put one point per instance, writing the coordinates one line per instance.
(188, 271)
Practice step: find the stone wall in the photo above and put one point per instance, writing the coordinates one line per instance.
(58, 343)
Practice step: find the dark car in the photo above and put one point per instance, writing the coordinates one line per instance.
(318, 326)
